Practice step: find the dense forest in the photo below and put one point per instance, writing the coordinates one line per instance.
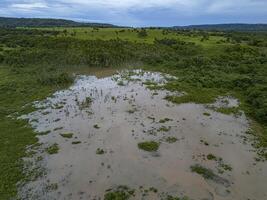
(226, 27)
(35, 22)
(36, 62)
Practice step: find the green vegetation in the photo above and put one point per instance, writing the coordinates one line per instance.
(211, 157)
(206, 114)
(149, 146)
(163, 129)
(228, 111)
(206, 173)
(100, 151)
(35, 22)
(53, 149)
(120, 193)
(176, 198)
(86, 103)
(164, 120)
(36, 62)
(221, 165)
(76, 142)
(171, 139)
(67, 135)
(96, 126)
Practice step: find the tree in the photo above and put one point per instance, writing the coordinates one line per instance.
(142, 33)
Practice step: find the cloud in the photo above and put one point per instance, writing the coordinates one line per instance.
(28, 6)
(141, 12)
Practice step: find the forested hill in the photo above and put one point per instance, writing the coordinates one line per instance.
(38, 22)
(226, 27)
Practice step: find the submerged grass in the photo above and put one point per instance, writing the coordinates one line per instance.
(148, 146)
(205, 172)
(67, 135)
(53, 149)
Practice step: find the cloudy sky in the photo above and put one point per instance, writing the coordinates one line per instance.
(141, 12)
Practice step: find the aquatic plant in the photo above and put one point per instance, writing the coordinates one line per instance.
(148, 146)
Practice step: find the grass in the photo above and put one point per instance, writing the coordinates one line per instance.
(100, 151)
(67, 135)
(131, 111)
(205, 172)
(53, 149)
(76, 142)
(120, 193)
(171, 139)
(211, 157)
(86, 103)
(228, 111)
(16, 90)
(169, 197)
(149, 146)
(164, 120)
(206, 114)
(96, 126)
(163, 129)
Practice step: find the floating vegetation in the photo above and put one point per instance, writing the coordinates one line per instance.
(76, 142)
(53, 149)
(121, 83)
(86, 103)
(221, 165)
(206, 114)
(204, 142)
(44, 133)
(52, 186)
(59, 128)
(232, 110)
(96, 126)
(100, 151)
(149, 146)
(120, 193)
(164, 120)
(67, 135)
(164, 129)
(211, 157)
(205, 172)
(169, 197)
(171, 139)
(131, 111)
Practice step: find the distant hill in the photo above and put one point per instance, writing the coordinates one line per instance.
(6, 22)
(226, 27)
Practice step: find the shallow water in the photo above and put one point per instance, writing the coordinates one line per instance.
(124, 112)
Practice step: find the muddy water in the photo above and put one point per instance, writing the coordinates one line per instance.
(123, 112)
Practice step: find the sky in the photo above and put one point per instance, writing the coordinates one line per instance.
(141, 12)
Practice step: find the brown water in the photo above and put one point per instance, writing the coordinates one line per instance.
(118, 118)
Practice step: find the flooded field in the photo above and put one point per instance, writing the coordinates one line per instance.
(113, 137)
